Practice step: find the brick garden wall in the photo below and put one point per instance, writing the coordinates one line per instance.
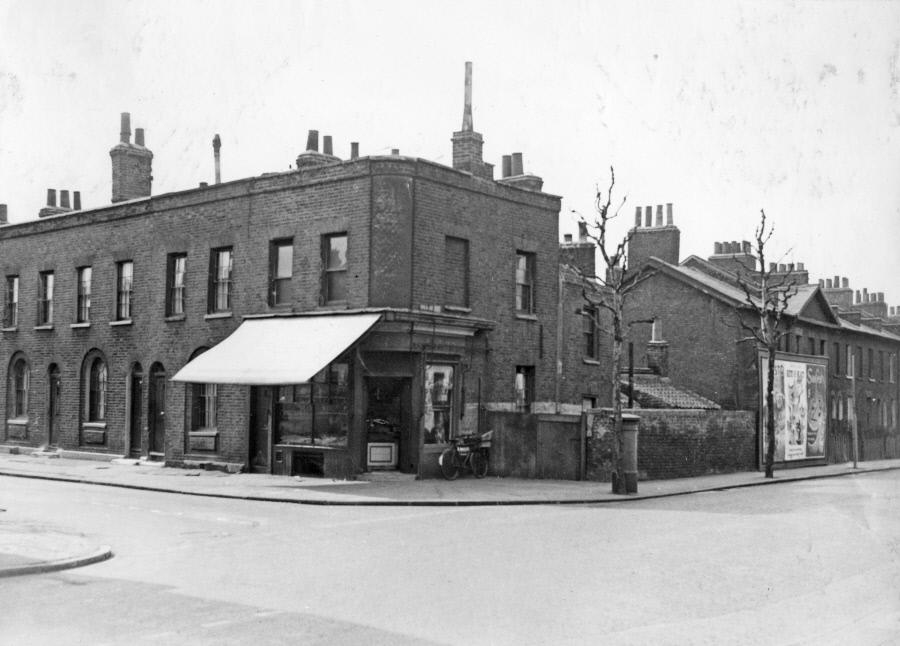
(680, 443)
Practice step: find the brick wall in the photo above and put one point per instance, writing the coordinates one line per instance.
(680, 443)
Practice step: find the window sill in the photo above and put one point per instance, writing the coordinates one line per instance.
(18, 421)
(44, 327)
(175, 317)
(217, 315)
(78, 326)
(97, 425)
(524, 316)
(120, 323)
(460, 309)
(591, 362)
(204, 432)
(9, 329)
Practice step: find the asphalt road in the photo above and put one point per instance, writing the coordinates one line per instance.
(813, 562)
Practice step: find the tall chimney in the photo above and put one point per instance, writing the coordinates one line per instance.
(517, 164)
(326, 145)
(354, 150)
(132, 165)
(659, 215)
(51, 197)
(467, 125)
(217, 145)
(648, 216)
(64, 199)
(76, 196)
(670, 220)
(312, 141)
(125, 133)
(507, 166)
(637, 217)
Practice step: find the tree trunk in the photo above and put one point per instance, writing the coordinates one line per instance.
(618, 479)
(770, 413)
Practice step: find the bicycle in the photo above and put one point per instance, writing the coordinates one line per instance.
(466, 451)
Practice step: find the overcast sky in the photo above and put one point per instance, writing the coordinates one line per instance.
(720, 108)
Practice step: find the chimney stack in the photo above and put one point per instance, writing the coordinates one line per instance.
(659, 241)
(131, 165)
(717, 248)
(467, 144)
(354, 150)
(506, 166)
(217, 145)
(845, 283)
(326, 145)
(567, 238)
(395, 151)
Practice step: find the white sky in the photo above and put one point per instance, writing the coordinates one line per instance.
(721, 108)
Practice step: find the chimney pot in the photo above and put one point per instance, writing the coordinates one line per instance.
(507, 165)
(582, 232)
(51, 197)
(747, 247)
(773, 267)
(659, 215)
(76, 198)
(217, 144)
(845, 283)
(354, 150)
(800, 266)
(3, 215)
(670, 220)
(637, 217)
(326, 145)
(125, 131)
(64, 199)
(395, 151)
(139, 136)
(782, 268)
(648, 216)
(880, 297)
(790, 266)
(837, 282)
(827, 283)
(467, 124)
(204, 184)
(858, 296)
(517, 168)
(312, 141)
(567, 238)
(717, 248)
(865, 295)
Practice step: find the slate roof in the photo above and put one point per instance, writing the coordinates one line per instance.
(653, 391)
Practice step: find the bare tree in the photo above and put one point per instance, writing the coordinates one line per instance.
(608, 291)
(764, 318)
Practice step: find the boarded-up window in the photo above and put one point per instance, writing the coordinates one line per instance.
(456, 271)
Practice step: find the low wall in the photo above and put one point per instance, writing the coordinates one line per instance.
(678, 443)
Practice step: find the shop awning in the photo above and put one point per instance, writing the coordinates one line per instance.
(272, 351)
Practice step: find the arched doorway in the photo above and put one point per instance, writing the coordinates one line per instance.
(137, 404)
(55, 386)
(156, 412)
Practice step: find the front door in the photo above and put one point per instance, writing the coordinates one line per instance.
(53, 417)
(390, 436)
(156, 411)
(261, 413)
(137, 380)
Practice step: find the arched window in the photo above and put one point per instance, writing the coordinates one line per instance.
(18, 388)
(97, 390)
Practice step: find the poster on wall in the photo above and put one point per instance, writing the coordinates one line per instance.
(800, 409)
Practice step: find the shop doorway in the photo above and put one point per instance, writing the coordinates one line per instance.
(136, 381)
(53, 416)
(390, 436)
(156, 412)
(262, 407)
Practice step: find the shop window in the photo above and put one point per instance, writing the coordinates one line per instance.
(83, 295)
(590, 329)
(18, 389)
(456, 271)
(317, 412)
(524, 388)
(11, 302)
(334, 263)
(97, 378)
(176, 266)
(204, 406)
(221, 264)
(45, 298)
(439, 427)
(281, 270)
(525, 282)
(124, 283)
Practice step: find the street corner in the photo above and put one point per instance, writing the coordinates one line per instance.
(27, 549)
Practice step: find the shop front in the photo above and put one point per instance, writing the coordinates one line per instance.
(335, 395)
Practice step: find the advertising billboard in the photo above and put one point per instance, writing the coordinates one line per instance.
(801, 412)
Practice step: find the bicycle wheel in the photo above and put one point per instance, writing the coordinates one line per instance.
(449, 461)
(479, 464)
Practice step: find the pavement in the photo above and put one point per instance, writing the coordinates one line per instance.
(28, 549)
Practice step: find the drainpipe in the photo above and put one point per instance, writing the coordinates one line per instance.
(559, 335)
